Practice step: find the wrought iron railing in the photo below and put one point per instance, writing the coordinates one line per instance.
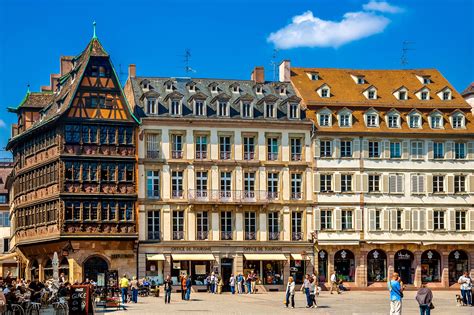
(230, 195)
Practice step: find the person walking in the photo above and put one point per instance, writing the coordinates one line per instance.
(312, 292)
(183, 287)
(395, 287)
(334, 284)
(240, 281)
(168, 287)
(290, 292)
(213, 282)
(254, 282)
(188, 288)
(232, 283)
(305, 288)
(424, 297)
(466, 289)
(134, 287)
(124, 284)
(249, 283)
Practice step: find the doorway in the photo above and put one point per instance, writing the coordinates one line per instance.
(227, 265)
(403, 262)
(93, 267)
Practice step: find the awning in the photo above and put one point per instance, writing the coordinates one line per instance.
(299, 257)
(341, 243)
(156, 257)
(8, 256)
(193, 257)
(265, 257)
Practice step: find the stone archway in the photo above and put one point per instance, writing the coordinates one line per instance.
(376, 266)
(93, 267)
(458, 262)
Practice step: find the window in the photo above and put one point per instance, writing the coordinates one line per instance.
(246, 110)
(395, 150)
(294, 111)
(154, 225)
(345, 120)
(151, 106)
(107, 135)
(6, 245)
(152, 146)
(153, 184)
(272, 185)
(346, 183)
(295, 144)
(272, 148)
(326, 148)
(224, 147)
(178, 225)
(199, 108)
(250, 225)
(213, 88)
(459, 183)
(107, 172)
(201, 147)
(374, 183)
(226, 225)
(326, 219)
(417, 151)
(426, 80)
(72, 133)
(95, 102)
(324, 120)
(176, 184)
(202, 225)
(4, 218)
(461, 220)
(374, 149)
(446, 95)
(325, 182)
(378, 221)
(438, 220)
(175, 108)
(235, 89)
(438, 183)
(201, 184)
(296, 228)
(415, 121)
(89, 134)
(438, 150)
(346, 148)
(346, 219)
(399, 220)
(192, 88)
(372, 120)
(169, 86)
(325, 92)
(371, 94)
(395, 182)
(417, 184)
(249, 185)
(176, 146)
(458, 121)
(249, 148)
(296, 186)
(3, 199)
(459, 150)
(270, 110)
(393, 121)
(223, 109)
(225, 184)
(424, 95)
(436, 122)
(273, 226)
(360, 80)
(402, 95)
(259, 89)
(314, 77)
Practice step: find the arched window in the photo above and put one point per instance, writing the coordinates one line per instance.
(323, 266)
(344, 265)
(95, 268)
(430, 266)
(403, 265)
(34, 269)
(376, 266)
(48, 270)
(458, 263)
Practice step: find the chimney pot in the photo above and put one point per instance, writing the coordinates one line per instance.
(132, 71)
(258, 75)
(284, 71)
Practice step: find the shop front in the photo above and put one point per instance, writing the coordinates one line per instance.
(430, 266)
(298, 264)
(154, 268)
(322, 266)
(344, 265)
(269, 268)
(458, 262)
(403, 262)
(376, 266)
(198, 266)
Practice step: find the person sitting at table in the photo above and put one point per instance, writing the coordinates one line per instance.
(35, 288)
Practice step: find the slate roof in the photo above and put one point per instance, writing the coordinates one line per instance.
(5, 170)
(35, 100)
(469, 90)
(203, 90)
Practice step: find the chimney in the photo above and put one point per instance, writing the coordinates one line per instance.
(65, 65)
(284, 71)
(132, 71)
(258, 75)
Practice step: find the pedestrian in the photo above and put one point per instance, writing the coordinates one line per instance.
(168, 286)
(334, 284)
(232, 283)
(290, 292)
(424, 297)
(207, 282)
(240, 281)
(305, 288)
(124, 284)
(395, 287)
(183, 287)
(213, 282)
(253, 282)
(134, 287)
(188, 288)
(249, 283)
(466, 289)
(312, 292)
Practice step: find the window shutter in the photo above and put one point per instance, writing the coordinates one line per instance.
(365, 149)
(393, 219)
(317, 219)
(386, 219)
(356, 149)
(471, 220)
(358, 219)
(429, 220)
(337, 219)
(421, 183)
(415, 216)
(449, 150)
(317, 182)
(450, 181)
(385, 183)
(422, 219)
(414, 184)
(429, 184)
(470, 150)
(430, 150)
(358, 184)
(452, 219)
(386, 149)
(317, 148)
(399, 183)
(405, 152)
(365, 183)
(392, 183)
(337, 148)
(371, 219)
(337, 182)
(406, 218)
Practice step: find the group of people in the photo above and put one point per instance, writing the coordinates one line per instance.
(125, 285)
(244, 284)
(309, 288)
(466, 285)
(186, 285)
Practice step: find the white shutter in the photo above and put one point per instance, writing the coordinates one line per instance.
(365, 183)
(385, 184)
(317, 219)
(371, 219)
(470, 150)
(451, 219)
(337, 182)
(386, 149)
(393, 219)
(386, 220)
(400, 183)
(430, 150)
(358, 219)
(358, 184)
(406, 217)
(429, 220)
(421, 183)
(414, 217)
(405, 149)
(337, 148)
(356, 149)
(392, 183)
(429, 183)
(317, 148)
(317, 182)
(414, 184)
(470, 223)
(449, 150)
(365, 149)
(422, 219)
(337, 219)
(450, 183)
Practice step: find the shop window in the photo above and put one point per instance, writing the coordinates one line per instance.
(323, 266)
(458, 262)
(376, 266)
(344, 265)
(48, 270)
(430, 266)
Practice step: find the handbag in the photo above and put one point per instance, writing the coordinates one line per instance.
(432, 306)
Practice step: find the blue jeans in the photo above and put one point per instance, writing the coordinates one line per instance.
(167, 296)
(212, 287)
(188, 294)
(249, 287)
(309, 302)
(124, 295)
(135, 295)
(288, 296)
(232, 289)
(466, 297)
(425, 309)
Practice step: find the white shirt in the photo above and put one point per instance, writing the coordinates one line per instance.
(466, 283)
(232, 281)
(333, 277)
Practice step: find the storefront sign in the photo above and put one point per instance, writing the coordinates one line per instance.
(80, 300)
(262, 249)
(190, 249)
(402, 256)
(117, 256)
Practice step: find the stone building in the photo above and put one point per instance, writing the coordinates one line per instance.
(393, 171)
(225, 178)
(73, 185)
(7, 259)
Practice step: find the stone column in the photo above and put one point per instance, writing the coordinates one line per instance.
(75, 270)
(444, 269)
(390, 264)
(417, 262)
(141, 265)
(286, 224)
(238, 264)
(167, 266)
(167, 223)
(331, 253)
(191, 224)
(286, 269)
(239, 225)
(361, 269)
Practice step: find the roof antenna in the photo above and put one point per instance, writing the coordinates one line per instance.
(405, 48)
(273, 63)
(94, 24)
(187, 58)
(28, 89)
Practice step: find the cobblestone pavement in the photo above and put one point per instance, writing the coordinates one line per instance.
(353, 303)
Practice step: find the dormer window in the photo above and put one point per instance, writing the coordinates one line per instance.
(393, 120)
(372, 118)
(235, 89)
(424, 95)
(259, 89)
(246, 110)
(436, 121)
(269, 110)
(345, 119)
(371, 94)
(199, 109)
(325, 118)
(293, 111)
(426, 80)
(175, 108)
(314, 76)
(223, 109)
(213, 87)
(446, 95)
(414, 121)
(192, 88)
(151, 106)
(360, 80)
(458, 121)
(169, 86)
(402, 95)
(325, 92)
(282, 90)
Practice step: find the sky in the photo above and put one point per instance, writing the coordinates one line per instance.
(228, 38)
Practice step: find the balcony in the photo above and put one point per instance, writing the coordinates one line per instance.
(177, 194)
(226, 236)
(177, 154)
(248, 156)
(224, 155)
(201, 155)
(178, 235)
(202, 235)
(272, 156)
(250, 236)
(152, 154)
(155, 236)
(272, 195)
(153, 194)
(297, 236)
(296, 156)
(273, 236)
(296, 195)
(231, 196)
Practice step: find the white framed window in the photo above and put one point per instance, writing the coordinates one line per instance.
(201, 184)
(178, 225)
(273, 226)
(436, 121)
(393, 121)
(458, 121)
(438, 150)
(372, 120)
(395, 149)
(249, 184)
(175, 107)
(176, 146)
(224, 147)
(199, 108)
(326, 148)
(324, 119)
(272, 185)
(202, 223)
(438, 219)
(374, 149)
(424, 95)
(246, 110)
(296, 226)
(177, 184)
(225, 184)
(395, 183)
(459, 183)
(326, 219)
(438, 183)
(415, 121)
(250, 219)
(461, 220)
(371, 94)
(417, 150)
(259, 89)
(249, 148)
(201, 147)
(153, 224)
(324, 92)
(374, 183)
(296, 186)
(152, 146)
(293, 111)
(346, 219)
(459, 150)
(345, 119)
(153, 184)
(402, 95)
(346, 183)
(417, 184)
(346, 148)
(226, 225)
(296, 148)
(151, 106)
(272, 148)
(446, 95)
(223, 107)
(270, 110)
(325, 181)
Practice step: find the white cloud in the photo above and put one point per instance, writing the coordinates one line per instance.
(306, 30)
(2, 124)
(381, 6)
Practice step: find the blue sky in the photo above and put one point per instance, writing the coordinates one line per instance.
(228, 38)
